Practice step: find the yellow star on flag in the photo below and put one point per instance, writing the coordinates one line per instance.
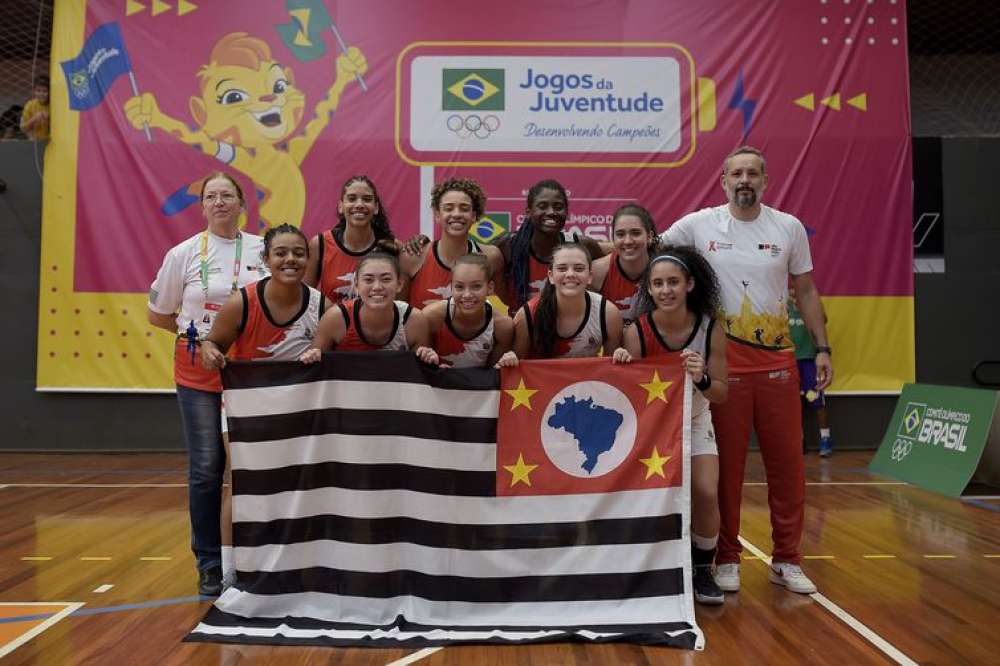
(656, 389)
(654, 464)
(521, 395)
(520, 471)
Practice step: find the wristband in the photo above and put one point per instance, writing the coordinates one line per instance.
(822, 350)
(705, 382)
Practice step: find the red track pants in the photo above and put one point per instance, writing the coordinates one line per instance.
(768, 403)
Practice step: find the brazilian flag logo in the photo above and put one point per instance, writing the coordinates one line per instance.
(491, 227)
(913, 416)
(472, 89)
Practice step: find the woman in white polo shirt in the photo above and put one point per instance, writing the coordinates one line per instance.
(196, 278)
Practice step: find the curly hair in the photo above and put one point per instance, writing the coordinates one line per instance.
(518, 268)
(546, 316)
(464, 185)
(704, 298)
(380, 222)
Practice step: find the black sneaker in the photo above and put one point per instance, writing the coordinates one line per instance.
(210, 582)
(706, 591)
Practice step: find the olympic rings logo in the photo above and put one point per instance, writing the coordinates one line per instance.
(901, 449)
(473, 125)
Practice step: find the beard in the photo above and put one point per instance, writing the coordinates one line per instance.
(745, 198)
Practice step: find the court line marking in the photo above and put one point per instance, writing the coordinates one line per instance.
(95, 559)
(36, 558)
(28, 635)
(981, 497)
(981, 504)
(852, 622)
(992, 557)
(939, 557)
(103, 588)
(837, 483)
(818, 557)
(155, 559)
(416, 656)
(879, 557)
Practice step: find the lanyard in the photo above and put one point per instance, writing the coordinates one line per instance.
(204, 262)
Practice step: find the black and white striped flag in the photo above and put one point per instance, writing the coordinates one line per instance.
(365, 512)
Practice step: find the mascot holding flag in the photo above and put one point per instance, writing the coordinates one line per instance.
(248, 109)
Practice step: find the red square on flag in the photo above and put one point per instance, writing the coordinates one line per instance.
(561, 434)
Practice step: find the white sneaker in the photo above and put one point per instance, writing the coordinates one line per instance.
(791, 576)
(727, 577)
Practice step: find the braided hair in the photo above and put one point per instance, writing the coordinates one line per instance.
(518, 269)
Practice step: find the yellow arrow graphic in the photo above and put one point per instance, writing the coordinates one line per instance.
(807, 102)
(859, 102)
(833, 101)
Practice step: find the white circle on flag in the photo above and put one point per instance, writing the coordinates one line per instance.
(588, 429)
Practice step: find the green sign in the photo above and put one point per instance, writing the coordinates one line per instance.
(472, 89)
(936, 437)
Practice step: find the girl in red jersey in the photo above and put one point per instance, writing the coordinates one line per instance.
(375, 320)
(458, 203)
(466, 331)
(676, 306)
(363, 227)
(565, 320)
(274, 318)
(616, 275)
(527, 253)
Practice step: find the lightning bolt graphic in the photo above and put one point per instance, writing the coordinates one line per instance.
(739, 101)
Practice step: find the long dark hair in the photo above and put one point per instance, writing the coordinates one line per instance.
(518, 268)
(647, 221)
(703, 299)
(380, 222)
(546, 317)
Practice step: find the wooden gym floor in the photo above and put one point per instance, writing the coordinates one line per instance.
(95, 568)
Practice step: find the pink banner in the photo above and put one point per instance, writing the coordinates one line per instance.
(620, 100)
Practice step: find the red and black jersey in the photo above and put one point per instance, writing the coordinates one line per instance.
(433, 281)
(261, 337)
(337, 265)
(459, 352)
(354, 338)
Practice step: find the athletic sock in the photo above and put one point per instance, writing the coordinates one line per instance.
(227, 561)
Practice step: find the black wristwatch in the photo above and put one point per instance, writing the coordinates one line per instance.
(820, 350)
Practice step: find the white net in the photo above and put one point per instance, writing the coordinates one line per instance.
(25, 43)
(954, 67)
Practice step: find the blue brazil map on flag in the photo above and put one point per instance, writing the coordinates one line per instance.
(595, 427)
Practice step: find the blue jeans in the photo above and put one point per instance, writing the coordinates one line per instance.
(200, 420)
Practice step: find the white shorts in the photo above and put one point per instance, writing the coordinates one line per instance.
(703, 435)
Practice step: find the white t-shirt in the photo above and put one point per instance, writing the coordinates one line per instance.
(178, 284)
(753, 261)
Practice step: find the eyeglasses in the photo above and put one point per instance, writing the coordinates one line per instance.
(225, 197)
